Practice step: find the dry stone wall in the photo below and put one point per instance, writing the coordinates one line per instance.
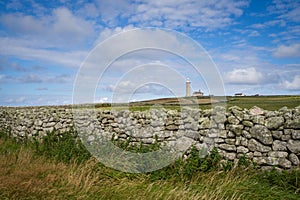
(269, 138)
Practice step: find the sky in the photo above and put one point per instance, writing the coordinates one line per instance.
(254, 45)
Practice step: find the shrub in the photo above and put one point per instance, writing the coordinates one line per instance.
(186, 169)
(64, 147)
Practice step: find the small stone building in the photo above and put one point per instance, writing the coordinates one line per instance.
(198, 94)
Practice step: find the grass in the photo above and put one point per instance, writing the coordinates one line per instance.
(265, 102)
(60, 168)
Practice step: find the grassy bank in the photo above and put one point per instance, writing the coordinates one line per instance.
(61, 168)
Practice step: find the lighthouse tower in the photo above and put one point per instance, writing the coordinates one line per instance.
(188, 87)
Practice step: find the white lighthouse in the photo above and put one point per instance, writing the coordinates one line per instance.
(188, 87)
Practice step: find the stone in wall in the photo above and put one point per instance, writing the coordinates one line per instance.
(256, 111)
(294, 159)
(279, 145)
(274, 123)
(254, 145)
(296, 134)
(262, 133)
(294, 146)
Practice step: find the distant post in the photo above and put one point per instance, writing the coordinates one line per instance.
(188, 87)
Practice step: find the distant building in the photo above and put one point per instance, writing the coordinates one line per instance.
(239, 94)
(198, 94)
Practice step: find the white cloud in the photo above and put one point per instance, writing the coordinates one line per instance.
(292, 85)
(22, 48)
(276, 22)
(109, 32)
(65, 24)
(102, 100)
(131, 87)
(58, 37)
(17, 100)
(257, 26)
(60, 29)
(290, 51)
(36, 78)
(34, 100)
(273, 22)
(293, 65)
(254, 34)
(111, 10)
(6, 78)
(89, 10)
(209, 15)
(243, 76)
(290, 35)
(15, 4)
(288, 10)
(237, 55)
(31, 78)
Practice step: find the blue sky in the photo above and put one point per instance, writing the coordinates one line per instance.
(254, 44)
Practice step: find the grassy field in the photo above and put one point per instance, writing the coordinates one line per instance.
(265, 102)
(60, 168)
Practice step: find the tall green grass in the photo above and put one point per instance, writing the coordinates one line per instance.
(59, 167)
